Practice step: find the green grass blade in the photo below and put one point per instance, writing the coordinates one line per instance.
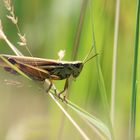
(101, 82)
(134, 80)
(85, 137)
(92, 119)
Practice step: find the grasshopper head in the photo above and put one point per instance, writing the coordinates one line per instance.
(77, 67)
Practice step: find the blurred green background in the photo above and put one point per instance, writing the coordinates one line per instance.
(26, 111)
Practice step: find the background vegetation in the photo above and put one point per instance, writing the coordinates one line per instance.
(26, 111)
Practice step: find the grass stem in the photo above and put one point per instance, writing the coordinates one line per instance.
(132, 119)
(114, 63)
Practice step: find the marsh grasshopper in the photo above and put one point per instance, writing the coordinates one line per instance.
(41, 69)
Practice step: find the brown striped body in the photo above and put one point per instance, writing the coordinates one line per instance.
(41, 69)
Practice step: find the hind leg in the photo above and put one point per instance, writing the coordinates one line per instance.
(48, 84)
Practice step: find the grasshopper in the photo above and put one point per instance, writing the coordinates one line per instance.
(41, 69)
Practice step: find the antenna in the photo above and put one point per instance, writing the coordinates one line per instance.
(90, 58)
(88, 54)
(86, 59)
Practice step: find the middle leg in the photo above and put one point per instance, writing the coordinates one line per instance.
(64, 90)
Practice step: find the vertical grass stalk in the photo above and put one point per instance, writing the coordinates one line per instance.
(114, 63)
(79, 29)
(132, 119)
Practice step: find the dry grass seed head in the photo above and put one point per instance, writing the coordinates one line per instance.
(14, 20)
(22, 40)
(8, 4)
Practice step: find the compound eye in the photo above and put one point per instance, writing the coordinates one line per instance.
(78, 65)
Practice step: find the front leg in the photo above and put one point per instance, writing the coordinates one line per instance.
(64, 90)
